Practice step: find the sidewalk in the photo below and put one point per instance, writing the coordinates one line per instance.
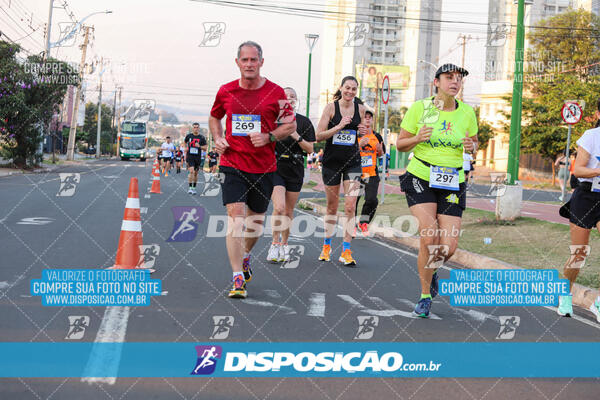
(49, 167)
(537, 210)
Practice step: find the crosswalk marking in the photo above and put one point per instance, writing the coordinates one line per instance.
(316, 305)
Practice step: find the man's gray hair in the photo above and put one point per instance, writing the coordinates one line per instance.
(253, 44)
(292, 89)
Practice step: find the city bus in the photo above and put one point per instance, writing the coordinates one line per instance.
(133, 140)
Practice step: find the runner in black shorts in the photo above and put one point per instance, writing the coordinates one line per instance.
(213, 161)
(178, 158)
(437, 129)
(584, 212)
(166, 155)
(340, 125)
(195, 143)
(258, 114)
(289, 177)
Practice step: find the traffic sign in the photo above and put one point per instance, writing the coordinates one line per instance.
(385, 90)
(571, 113)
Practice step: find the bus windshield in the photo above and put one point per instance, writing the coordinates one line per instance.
(133, 127)
(133, 142)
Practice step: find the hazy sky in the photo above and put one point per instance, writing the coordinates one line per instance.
(154, 52)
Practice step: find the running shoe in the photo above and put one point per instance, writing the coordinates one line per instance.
(565, 306)
(325, 253)
(434, 287)
(190, 190)
(346, 257)
(194, 191)
(423, 307)
(238, 291)
(273, 254)
(246, 268)
(167, 174)
(284, 253)
(595, 308)
(364, 229)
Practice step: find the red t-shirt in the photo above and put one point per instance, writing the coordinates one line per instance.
(247, 107)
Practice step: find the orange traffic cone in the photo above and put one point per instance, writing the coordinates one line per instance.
(130, 240)
(155, 182)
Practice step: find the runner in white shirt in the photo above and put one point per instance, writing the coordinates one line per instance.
(166, 153)
(467, 159)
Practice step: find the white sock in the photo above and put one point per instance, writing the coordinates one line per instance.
(246, 255)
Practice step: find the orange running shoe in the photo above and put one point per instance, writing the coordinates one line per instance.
(346, 257)
(325, 253)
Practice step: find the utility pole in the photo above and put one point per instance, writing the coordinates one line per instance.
(119, 116)
(514, 149)
(509, 202)
(464, 39)
(99, 109)
(73, 128)
(48, 30)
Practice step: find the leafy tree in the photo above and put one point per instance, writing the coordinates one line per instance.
(560, 72)
(565, 42)
(31, 92)
(90, 124)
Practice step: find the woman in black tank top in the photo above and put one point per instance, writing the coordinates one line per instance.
(341, 154)
(341, 127)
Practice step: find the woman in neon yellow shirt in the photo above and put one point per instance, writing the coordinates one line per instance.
(437, 130)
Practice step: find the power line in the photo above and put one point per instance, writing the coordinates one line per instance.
(317, 13)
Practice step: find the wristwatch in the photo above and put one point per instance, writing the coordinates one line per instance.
(272, 137)
(300, 138)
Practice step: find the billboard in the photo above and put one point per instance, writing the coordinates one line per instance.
(399, 75)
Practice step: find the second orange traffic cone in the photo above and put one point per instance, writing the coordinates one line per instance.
(155, 181)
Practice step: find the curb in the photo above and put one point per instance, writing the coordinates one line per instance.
(583, 296)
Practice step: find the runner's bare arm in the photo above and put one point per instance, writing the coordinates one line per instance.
(407, 141)
(362, 128)
(284, 130)
(470, 144)
(308, 147)
(580, 168)
(322, 132)
(216, 130)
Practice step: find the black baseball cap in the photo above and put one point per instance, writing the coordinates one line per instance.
(369, 112)
(450, 68)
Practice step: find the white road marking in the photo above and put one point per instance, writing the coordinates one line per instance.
(381, 313)
(146, 196)
(317, 305)
(112, 330)
(4, 285)
(35, 221)
(272, 293)
(144, 210)
(288, 310)
(478, 316)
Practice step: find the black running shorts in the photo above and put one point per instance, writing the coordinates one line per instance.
(585, 207)
(334, 177)
(194, 162)
(243, 187)
(449, 202)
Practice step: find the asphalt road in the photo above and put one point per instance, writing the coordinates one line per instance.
(307, 301)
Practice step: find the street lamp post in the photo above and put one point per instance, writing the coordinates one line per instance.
(311, 40)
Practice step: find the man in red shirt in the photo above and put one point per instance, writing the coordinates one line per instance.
(258, 114)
